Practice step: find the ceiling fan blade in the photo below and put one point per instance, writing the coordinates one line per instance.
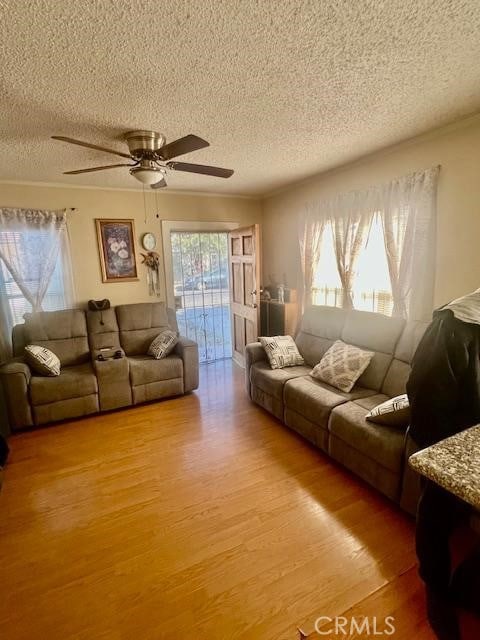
(218, 172)
(159, 185)
(92, 146)
(181, 146)
(107, 166)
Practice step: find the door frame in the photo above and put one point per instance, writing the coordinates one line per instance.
(193, 226)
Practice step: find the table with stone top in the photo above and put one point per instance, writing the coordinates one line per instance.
(454, 464)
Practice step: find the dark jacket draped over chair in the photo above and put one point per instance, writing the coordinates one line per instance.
(444, 384)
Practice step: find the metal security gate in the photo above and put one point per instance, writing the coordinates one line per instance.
(202, 291)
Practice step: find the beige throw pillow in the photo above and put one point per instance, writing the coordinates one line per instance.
(281, 351)
(163, 344)
(393, 413)
(42, 360)
(342, 365)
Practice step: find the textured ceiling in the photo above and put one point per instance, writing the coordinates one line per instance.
(282, 89)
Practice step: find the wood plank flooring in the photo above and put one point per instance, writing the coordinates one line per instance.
(197, 517)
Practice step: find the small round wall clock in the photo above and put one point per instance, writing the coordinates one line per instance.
(149, 241)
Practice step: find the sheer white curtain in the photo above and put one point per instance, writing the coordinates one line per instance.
(310, 234)
(350, 216)
(5, 326)
(408, 213)
(350, 219)
(33, 245)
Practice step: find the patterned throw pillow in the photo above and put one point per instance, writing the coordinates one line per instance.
(342, 365)
(393, 413)
(42, 360)
(163, 344)
(281, 351)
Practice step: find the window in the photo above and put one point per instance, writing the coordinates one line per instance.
(371, 289)
(21, 244)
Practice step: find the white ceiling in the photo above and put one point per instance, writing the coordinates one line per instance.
(281, 89)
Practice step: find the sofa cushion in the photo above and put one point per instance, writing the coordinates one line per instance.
(42, 360)
(312, 348)
(139, 324)
(342, 365)
(372, 331)
(271, 381)
(371, 402)
(315, 400)
(395, 382)
(63, 332)
(321, 326)
(281, 351)
(399, 370)
(145, 369)
(327, 322)
(380, 443)
(408, 343)
(375, 332)
(103, 329)
(73, 382)
(374, 375)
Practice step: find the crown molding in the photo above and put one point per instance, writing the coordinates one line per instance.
(160, 193)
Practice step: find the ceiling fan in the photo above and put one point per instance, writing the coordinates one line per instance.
(150, 157)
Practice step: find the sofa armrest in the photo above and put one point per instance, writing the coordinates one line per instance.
(254, 352)
(188, 352)
(15, 378)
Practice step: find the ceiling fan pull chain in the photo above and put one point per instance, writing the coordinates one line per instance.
(156, 203)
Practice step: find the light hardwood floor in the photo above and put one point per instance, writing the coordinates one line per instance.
(197, 517)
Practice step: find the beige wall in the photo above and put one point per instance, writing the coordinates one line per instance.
(100, 203)
(456, 148)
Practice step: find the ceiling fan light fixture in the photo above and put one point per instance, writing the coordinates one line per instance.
(147, 175)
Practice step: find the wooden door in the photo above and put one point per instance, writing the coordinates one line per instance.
(244, 259)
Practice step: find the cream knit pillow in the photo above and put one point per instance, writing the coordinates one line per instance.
(342, 365)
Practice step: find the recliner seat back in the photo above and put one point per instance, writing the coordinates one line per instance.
(322, 326)
(399, 369)
(139, 324)
(63, 332)
(103, 329)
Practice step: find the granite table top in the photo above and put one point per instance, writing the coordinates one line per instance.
(454, 464)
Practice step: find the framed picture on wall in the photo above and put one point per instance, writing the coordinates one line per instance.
(116, 246)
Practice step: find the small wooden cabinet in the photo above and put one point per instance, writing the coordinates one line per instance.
(277, 318)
